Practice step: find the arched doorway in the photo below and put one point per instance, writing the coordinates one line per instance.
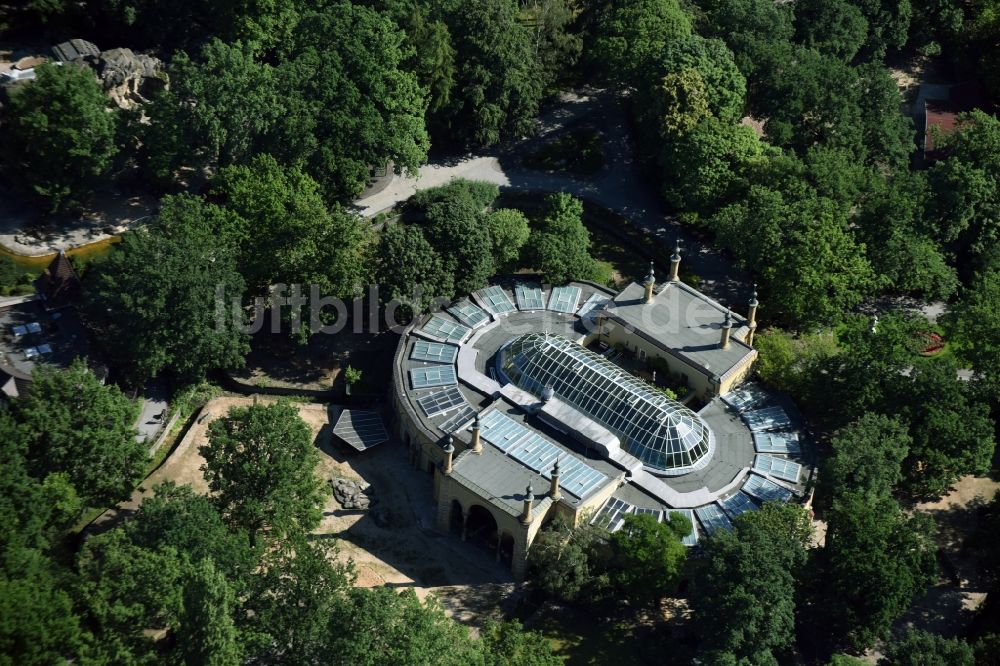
(506, 549)
(455, 519)
(481, 528)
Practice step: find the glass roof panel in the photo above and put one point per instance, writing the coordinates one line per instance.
(564, 299)
(777, 467)
(529, 297)
(597, 300)
(437, 352)
(445, 330)
(469, 314)
(766, 490)
(441, 402)
(496, 300)
(737, 503)
(777, 442)
(768, 418)
(435, 375)
(665, 435)
(692, 538)
(713, 518)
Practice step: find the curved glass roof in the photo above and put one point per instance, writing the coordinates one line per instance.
(665, 435)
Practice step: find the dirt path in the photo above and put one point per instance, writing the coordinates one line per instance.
(404, 552)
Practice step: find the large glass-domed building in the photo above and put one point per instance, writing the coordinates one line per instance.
(665, 435)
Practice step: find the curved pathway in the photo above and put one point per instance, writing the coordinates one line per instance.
(620, 185)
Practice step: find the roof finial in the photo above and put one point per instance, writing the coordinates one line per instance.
(753, 297)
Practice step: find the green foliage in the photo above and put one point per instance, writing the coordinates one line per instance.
(974, 323)
(808, 265)
(746, 595)
(508, 644)
(294, 602)
(872, 545)
(216, 110)
(62, 135)
(455, 229)
(177, 518)
(285, 232)
(558, 46)
(74, 424)
(432, 56)
(922, 648)
(888, 23)
(900, 245)
(410, 271)
(846, 660)
(834, 27)
(206, 635)
(483, 194)
(382, 626)
(867, 457)
(965, 204)
(124, 589)
(34, 513)
(951, 429)
(260, 463)
(498, 82)
(724, 86)
(788, 362)
(647, 557)
(509, 231)
(154, 298)
(39, 626)
(571, 564)
(751, 28)
(626, 35)
(352, 375)
(349, 106)
(559, 247)
(580, 151)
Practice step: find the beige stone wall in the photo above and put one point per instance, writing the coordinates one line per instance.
(700, 383)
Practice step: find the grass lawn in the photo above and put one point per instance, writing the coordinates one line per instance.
(581, 639)
(578, 152)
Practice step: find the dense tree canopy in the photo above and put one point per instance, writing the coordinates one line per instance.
(625, 35)
(74, 424)
(280, 209)
(872, 545)
(155, 298)
(868, 456)
(746, 595)
(62, 135)
(349, 105)
(410, 271)
(498, 82)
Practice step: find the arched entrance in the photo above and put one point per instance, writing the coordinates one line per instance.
(506, 549)
(481, 528)
(455, 518)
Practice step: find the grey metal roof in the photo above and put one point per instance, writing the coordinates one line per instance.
(500, 480)
(684, 323)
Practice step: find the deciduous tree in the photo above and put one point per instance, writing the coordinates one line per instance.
(76, 425)
(62, 135)
(560, 244)
(260, 464)
(155, 298)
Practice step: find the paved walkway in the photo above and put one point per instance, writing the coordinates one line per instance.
(621, 185)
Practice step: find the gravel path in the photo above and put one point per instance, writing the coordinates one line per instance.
(620, 185)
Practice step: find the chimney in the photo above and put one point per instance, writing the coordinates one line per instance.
(650, 283)
(727, 328)
(554, 491)
(529, 500)
(449, 452)
(675, 261)
(752, 315)
(477, 442)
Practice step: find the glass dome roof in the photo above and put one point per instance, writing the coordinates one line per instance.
(665, 435)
